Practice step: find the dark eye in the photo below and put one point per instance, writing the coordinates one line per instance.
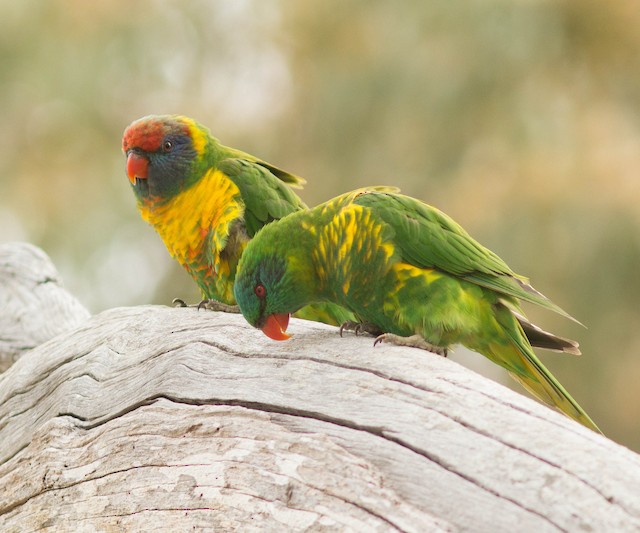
(167, 146)
(260, 291)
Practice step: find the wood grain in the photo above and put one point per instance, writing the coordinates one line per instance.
(154, 418)
(34, 305)
(159, 418)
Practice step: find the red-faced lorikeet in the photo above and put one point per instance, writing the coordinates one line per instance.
(207, 200)
(408, 271)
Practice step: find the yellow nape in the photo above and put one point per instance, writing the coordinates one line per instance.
(185, 221)
(198, 137)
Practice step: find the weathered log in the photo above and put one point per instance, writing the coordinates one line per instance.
(153, 418)
(34, 306)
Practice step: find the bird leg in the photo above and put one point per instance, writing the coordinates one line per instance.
(209, 305)
(415, 341)
(360, 327)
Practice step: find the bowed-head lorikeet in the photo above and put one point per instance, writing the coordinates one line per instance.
(207, 200)
(407, 271)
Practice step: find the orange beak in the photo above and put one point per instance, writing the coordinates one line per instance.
(276, 325)
(137, 167)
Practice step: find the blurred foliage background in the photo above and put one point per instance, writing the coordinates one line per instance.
(520, 119)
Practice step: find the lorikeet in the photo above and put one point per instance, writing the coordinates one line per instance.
(207, 200)
(407, 271)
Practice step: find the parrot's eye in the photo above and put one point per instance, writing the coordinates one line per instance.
(260, 291)
(167, 146)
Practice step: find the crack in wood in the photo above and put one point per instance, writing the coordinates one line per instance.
(336, 364)
(53, 488)
(283, 410)
(538, 458)
(524, 451)
(387, 377)
(41, 377)
(127, 352)
(93, 478)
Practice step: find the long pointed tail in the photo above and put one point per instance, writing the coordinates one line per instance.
(546, 388)
(529, 371)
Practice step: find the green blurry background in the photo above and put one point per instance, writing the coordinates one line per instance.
(520, 119)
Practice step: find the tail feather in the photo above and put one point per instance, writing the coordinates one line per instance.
(543, 339)
(533, 375)
(543, 389)
(538, 298)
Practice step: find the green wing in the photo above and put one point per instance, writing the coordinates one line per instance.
(294, 181)
(266, 197)
(428, 238)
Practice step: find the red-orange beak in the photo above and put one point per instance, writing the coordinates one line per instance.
(137, 167)
(275, 326)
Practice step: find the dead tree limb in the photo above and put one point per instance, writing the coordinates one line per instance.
(34, 306)
(154, 418)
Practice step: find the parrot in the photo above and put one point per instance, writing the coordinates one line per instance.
(206, 201)
(411, 275)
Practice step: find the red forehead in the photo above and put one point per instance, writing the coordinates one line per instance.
(148, 133)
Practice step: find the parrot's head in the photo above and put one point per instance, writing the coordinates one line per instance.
(270, 286)
(163, 153)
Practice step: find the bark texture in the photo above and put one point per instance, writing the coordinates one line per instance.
(34, 306)
(154, 418)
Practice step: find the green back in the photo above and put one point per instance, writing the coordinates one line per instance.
(428, 238)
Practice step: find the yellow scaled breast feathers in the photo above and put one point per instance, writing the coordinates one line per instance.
(185, 221)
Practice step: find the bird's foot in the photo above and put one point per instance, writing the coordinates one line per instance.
(209, 305)
(415, 341)
(360, 327)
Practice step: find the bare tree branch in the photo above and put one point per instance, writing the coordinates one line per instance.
(154, 418)
(34, 305)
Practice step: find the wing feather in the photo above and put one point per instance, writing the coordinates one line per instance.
(266, 197)
(428, 238)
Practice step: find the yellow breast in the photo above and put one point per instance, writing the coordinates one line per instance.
(184, 222)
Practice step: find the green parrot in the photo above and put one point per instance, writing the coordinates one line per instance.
(409, 273)
(207, 201)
